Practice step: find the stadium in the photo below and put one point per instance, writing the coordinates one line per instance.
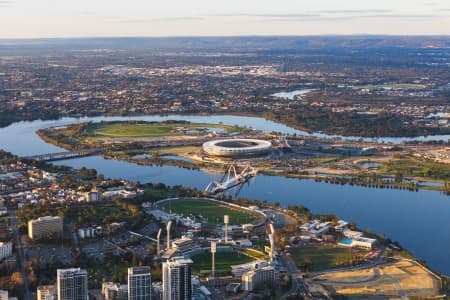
(234, 148)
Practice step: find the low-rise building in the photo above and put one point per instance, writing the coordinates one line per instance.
(184, 244)
(114, 291)
(4, 295)
(244, 243)
(364, 242)
(3, 211)
(46, 292)
(351, 234)
(239, 270)
(316, 228)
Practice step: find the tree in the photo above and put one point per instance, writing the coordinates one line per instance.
(151, 250)
(32, 279)
(17, 280)
(306, 263)
(134, 261)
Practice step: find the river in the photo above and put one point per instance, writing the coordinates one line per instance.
(420, 221)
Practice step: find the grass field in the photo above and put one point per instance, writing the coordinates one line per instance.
(255, 254)
(212, 212)
(178, 150)
(158, 194)
(151, 130)
(224, 261)
(417, 167)
(321, 257)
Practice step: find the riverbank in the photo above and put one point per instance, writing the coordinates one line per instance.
(88, 135)
(282, 127)
(393, 212)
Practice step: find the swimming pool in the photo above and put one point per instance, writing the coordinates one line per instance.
(346, 242)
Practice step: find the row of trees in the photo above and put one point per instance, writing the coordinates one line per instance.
(351, 123)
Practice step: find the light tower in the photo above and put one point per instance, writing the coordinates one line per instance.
(169, 224)
(226, 220)
(213, 253)
(271, 232)
(158, 240)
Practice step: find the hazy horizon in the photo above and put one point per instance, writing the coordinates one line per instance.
(21, 19)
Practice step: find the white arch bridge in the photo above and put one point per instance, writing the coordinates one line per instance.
(231, 178)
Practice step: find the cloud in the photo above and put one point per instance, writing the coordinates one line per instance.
(334, 15)
(355, 11)
(311, 14)
(402, 16)
(119, 19)
(163, 19)
(6, 3)
(300, 15)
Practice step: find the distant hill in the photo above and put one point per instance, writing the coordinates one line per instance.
(232, 43)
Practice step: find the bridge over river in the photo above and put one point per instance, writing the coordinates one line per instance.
(231, 179)
(65, 155)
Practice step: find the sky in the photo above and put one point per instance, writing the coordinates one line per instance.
(111, 18)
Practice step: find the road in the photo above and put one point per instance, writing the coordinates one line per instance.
(375, 276)
(298, 287)
(399, 288)
(20, 255)
(279, 219)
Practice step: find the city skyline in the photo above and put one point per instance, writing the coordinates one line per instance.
(48, 19)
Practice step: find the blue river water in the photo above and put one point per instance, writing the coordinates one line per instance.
(420, 221)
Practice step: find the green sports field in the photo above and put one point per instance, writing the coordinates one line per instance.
(224, 261)
(211, 212)
(323, 257)
(117, 130)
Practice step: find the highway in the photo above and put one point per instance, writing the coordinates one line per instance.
(20, 255)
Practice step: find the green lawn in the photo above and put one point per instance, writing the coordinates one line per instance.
(212, 212)
(417, 167)
(152, 193)
(224, 261)
(149, 130)
(322, 257)
(255, 254)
